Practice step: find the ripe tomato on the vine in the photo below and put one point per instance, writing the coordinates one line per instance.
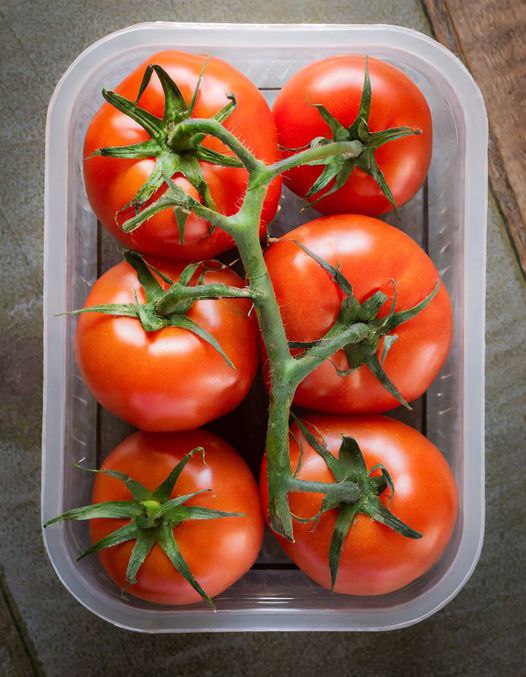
(172, 378)
(112, 182)
(336, 84)
(374, 559)
(218, 551)
(373, 256)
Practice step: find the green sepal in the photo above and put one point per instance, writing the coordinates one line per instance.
(344, 170)
(150, 123)
(381, 514)
(300, 449)
(364, 109)
(382, 481)
(220, 116)
(188, 272)
(317, 445)
(174, 503)
(402, 316)
(215, 158)
(333, 272)
(368, 164)
(196, 512)
(389, 340)
(346, 516)
(191, 170)
(175, 108)
(169, 545)
(351, 462)
(108, 509)
(125, 533)
(150, 321)
(357, 355)
(164, 490)
(152, 288)
(377, 139)
(329, 172)
(374, 365)
(198, 86)
(339, 132)
(167, 164)
(371, 306)
(146, 539)
(158, 206)
(136, 489)
(185, 323)
(135, 151)
(181, 217)
(119, 309)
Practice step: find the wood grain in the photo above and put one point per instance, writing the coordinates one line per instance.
(490, 37)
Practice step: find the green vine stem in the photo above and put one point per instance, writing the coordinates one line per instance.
(286, 371)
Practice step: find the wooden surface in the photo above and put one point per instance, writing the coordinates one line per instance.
(490, 37)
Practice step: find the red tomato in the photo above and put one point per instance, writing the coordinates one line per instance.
(111, 183)
(169, 379)
(371, 254)
(375, 560)
(337, 83)
(218, 551)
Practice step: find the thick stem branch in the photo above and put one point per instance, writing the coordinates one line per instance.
(170, 301)
(348, 149)
(339, 338)
(286, 372)
(215, 128)
(345, 491)
(185, 203)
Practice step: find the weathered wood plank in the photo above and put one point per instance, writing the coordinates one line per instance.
(490, 38)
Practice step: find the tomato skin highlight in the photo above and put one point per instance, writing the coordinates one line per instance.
(375, 560)
(111, 183)
(218, 551)
(396, 101)
(169, 379)
(371, 254)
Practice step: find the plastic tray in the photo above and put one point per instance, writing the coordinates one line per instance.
(448, 217)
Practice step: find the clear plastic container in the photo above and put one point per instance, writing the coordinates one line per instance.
(448, 217)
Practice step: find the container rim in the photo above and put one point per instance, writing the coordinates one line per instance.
(462, 85)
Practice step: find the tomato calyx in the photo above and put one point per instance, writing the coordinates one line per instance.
(152, 516)
(339, 167)
(350, 466)
(352, 312)
(168, 308)
(176, 149)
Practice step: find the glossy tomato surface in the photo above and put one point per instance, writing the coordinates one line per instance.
(375, 559)
(170, 379)
(396, 101)
(111, 183)
(217, 551)
(371, 254)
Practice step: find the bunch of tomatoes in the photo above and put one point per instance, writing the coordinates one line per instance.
(168, 339)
